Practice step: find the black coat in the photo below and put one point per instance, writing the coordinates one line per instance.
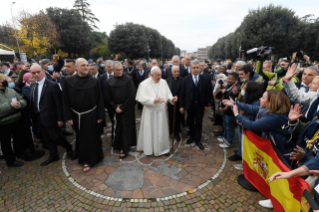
(103, 81)
(186, 96)
(182, 72)
(50, 106)
(131, 74)
(140, 79)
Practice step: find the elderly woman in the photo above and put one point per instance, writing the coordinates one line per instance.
(10, 104)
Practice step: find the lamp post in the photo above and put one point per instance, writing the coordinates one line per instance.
(240, 43)
(15, 30)
(148, 47)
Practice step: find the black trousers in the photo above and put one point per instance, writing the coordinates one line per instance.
(52, 144)
(195, 119)
(171, 118)
(6, 132)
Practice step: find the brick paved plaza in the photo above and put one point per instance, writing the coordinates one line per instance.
(188, 180)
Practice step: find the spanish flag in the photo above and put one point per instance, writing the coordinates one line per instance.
(260, 162)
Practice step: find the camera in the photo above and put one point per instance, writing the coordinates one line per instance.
(263, 52)
(300, 54)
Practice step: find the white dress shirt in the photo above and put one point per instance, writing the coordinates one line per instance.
(302, 87)
(40, 86)
(194, 79)
(96, 75)
(108, 75)
(188, 69)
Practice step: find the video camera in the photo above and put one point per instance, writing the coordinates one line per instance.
(263, 52)
(299, 56)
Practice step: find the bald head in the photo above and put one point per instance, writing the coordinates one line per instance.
(175, 71)
(175, 60)
(37, 72)
(82, 66)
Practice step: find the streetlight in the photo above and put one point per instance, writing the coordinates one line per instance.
(240, 43)
(148, 47)
(15, 30)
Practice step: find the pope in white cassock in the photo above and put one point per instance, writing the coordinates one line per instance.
(154, 93)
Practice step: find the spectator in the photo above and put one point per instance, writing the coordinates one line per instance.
(11, 103)
(251, 94)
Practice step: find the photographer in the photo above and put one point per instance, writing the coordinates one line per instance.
(275, 79)
(300, 55)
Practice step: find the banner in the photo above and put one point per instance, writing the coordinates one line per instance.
(260, 162)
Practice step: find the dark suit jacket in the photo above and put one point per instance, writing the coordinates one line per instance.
(138, 79)
(182, 72)
(132, 74)
(186, 96)
(210, 88)
(51, 108)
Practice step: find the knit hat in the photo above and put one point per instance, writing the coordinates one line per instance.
(26, 78)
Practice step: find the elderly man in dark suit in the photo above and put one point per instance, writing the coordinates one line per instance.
(47, 113)
(176, 62)
(194, 99)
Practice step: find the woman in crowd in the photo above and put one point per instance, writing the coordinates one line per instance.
(10, 104)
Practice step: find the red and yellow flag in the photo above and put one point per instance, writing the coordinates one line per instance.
(260, 162)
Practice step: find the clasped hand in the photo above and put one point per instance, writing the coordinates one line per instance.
(158, 100)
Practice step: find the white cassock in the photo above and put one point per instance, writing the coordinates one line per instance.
(153, 137)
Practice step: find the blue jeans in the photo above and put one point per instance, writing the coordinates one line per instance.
(240, 134)
(228, 128)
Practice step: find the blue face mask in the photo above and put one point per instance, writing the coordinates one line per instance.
(102, 65)
(50, 68)
(244, 80)
(242, 92)
(11, 85)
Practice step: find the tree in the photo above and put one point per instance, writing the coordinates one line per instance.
(7, 36)
(177, 51)
(83, 8)
(311, 38)
(37, 33)
(75, 35)
(101, 49)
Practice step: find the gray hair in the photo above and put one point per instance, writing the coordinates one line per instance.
(154, 68)
(315, 68)
(109, 61)
(194, 63)
(241, 63)
(116, 63)
(95, 65)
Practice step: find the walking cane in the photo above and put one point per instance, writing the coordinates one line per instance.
(173, 136)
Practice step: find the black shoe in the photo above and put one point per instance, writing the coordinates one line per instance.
(190, 140)
(167, 154)
(16, 164)
(66, 133)
(200, 145)
(69, 153)
(235, 157)
(74, 156)
(50, 160)
(1, 157)
(178, 138)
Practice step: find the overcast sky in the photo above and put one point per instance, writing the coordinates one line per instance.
(190, 24)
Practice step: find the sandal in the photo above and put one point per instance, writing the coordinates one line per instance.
(122, 155)
(86, 168)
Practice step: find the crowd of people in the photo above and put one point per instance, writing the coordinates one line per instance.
(275, 101)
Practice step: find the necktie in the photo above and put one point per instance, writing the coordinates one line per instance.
(196, 81)
(35, 98)
(307, 89)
